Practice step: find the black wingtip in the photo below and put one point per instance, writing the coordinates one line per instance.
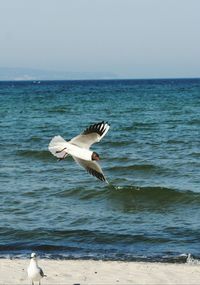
(96, 174)
(98, 128)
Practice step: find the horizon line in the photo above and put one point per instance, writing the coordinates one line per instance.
(99, 79)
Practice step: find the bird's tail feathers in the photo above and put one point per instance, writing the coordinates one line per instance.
(57, 147)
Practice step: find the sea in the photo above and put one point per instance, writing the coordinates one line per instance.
(149, 211)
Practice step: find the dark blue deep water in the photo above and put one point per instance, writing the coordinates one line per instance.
(150, 156)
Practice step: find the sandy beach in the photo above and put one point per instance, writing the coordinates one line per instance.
(100, 272)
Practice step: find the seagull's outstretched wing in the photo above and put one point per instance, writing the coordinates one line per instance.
(92, 167)
(91, 135)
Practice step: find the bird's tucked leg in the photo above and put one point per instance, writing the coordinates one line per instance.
(61, 158)
(58, 151)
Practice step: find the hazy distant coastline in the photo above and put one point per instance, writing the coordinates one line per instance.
(17, 74)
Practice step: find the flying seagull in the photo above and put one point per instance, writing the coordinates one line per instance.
(79, 148)
(35, 273)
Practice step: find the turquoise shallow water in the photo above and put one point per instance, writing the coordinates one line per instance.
(150, 210)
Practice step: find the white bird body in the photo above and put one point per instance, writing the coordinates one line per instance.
(79, 148)
(35, 273)
(59, 148)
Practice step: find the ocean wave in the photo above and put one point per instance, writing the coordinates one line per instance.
(34, 139)
(59, 109)
(192, 260)
(145, 167)
(118, 143)
(157, 195)
(194, 122)
(48, 239)
(83, 244)
(141, 125)
(35, 154)
(147, 197)
(195, 154)
(66, 254)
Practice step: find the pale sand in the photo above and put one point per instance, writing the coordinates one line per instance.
(100, 272)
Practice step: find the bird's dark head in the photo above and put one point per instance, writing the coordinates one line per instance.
(33, 255)
(95, 156)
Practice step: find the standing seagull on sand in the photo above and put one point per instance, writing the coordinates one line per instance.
(79, 148)
(35, 273)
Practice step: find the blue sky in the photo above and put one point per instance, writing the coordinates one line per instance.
(131, 38)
